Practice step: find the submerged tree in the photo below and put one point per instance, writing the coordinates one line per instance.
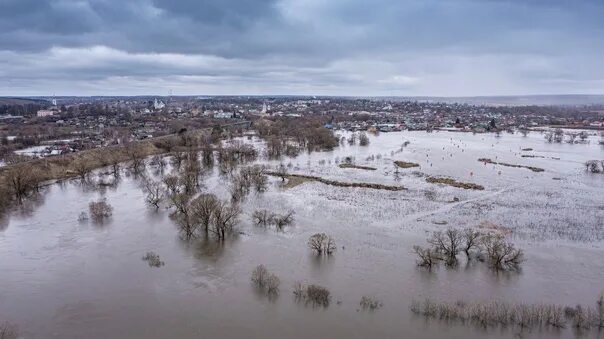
(155, 193)
(501, 254)
(448, 243)
(203, 208)
(224, 219)
(321, 244)
(363, 139)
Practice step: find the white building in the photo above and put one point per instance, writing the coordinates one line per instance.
(45, 113)
(224, 115)
(158, 104)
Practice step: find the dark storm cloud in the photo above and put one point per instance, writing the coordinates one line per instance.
(389, 46)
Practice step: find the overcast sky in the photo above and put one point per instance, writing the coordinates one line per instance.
(317, 47)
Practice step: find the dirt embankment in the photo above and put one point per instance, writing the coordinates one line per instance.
(301, 178)
(454, 183)
(404, 164)
(367, 168)
(489, 161)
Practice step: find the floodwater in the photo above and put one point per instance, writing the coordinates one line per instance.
(62, 278)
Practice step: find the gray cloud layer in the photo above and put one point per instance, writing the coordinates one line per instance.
(348, 47)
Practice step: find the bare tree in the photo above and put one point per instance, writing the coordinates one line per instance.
(21, 181)
(159, 162)
(282, 172)
(155, 193)
(172, 183)
(261, 217)
(471, 240)
(115, 163)
(448, 243)
(281, 221)
(501, 254)
(177, 158)
(321, 243)
(82, 167)
(137, 157)
(203, 208)
(427, 256)
(224, 219)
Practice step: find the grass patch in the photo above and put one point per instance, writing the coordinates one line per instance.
(367, 168)
(404, 164)
(301, 178)
(489, 161)
(454, 183)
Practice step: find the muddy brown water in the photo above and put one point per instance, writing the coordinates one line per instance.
(61, 278)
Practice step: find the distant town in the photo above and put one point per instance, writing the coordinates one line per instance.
(40, 127)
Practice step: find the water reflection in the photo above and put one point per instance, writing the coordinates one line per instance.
(321, 263)
(28, 206)
(4, 221)
(207, 248)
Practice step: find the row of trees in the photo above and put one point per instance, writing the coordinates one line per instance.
(521, 315)
(492, 248)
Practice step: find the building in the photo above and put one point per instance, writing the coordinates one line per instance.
(224, 115)
(45, 113)
(158, 104)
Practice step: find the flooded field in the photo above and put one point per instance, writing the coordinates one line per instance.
(67, 278)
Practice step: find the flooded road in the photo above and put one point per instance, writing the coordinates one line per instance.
(63, 278)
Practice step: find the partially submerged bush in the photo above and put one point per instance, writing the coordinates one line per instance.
(312, 294)
(369, 303)
(282, 220)
(8, 331)
(153, 259)
(594, 166)
(427, 256)
(265, 280)
(262, 217)
(100, 210)
(494, 314)
(321, 244)
(363, 139)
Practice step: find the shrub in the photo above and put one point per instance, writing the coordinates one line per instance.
(427, 256)
(363, 139)
(369, 303)
(261, 217)
(312, 294)
(100, 210)
(8, 331)
(265, 280)
(153, 259)
(283, 220)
